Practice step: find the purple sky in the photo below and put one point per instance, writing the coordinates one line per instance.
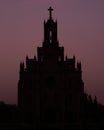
(80, 31)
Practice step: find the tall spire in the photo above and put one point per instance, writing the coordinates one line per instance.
(50, 31)
(50, 12)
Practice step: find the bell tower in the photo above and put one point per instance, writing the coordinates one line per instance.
(50, 50)
(50, 31)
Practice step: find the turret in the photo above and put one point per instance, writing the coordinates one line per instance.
(21, 67)
(21, 70)
(79, 66)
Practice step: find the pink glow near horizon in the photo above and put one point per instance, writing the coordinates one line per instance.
(80, 31)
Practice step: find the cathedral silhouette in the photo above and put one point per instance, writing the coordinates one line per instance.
(51, 90)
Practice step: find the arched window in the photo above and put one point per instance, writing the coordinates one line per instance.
(50, 36)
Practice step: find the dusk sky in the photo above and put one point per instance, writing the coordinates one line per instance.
(80, 31)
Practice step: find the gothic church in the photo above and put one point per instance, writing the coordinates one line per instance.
(50, 87)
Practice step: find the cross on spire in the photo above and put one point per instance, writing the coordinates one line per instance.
(50, 12)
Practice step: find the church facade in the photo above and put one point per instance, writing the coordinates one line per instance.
(50, 87)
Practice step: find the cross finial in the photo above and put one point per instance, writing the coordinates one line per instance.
(50, 12)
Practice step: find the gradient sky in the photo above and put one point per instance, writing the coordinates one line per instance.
(80, 31)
